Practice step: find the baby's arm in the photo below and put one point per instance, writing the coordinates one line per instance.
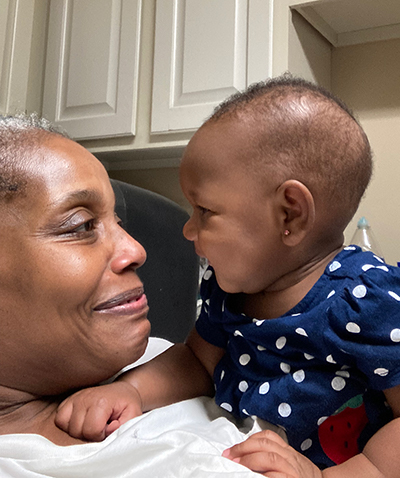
(268, 454)
(181, 372)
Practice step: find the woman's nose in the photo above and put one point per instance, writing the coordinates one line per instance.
(190, 230)
(128, 254)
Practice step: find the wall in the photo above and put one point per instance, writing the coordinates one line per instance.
(164, 181)
(367, 77)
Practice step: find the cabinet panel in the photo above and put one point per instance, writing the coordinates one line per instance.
(16, 25)
(92, 67)
(205, 51)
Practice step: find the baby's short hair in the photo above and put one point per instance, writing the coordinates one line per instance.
(304, 132)
(20, 137)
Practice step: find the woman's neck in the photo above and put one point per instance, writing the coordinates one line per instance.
(21, 412)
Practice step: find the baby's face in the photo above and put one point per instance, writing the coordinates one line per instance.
(235, 215)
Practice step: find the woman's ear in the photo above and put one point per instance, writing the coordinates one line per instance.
(297, 211)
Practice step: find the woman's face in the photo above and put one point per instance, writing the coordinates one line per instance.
(72, 307)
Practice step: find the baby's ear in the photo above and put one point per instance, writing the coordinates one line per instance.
(297, 211)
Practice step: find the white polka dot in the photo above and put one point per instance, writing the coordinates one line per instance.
(367, 267)
(301, 331)
(394, 295)
(243, 386)
(308, 356)
(330, 359)
(226, 406)
(299, 376)
(280, 343)
(381, 371)
(261, 348)
(331, 293)
(284, 410)
(306, 444)
(395, 335)
(264, 388)
(360, 291)
(321, 420)
(383, 268)
(245, 411)
(222, 375)
(343, 373)
(244, 359)
(335, 266)
(379, 259)
(259, 322)
(285, 367)
(350, 248)
(338, 383)
(353, 328)
(208, 274)
(237, 333)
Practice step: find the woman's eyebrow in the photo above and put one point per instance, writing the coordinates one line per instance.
(80, 196)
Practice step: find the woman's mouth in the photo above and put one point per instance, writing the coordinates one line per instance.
(127, 303)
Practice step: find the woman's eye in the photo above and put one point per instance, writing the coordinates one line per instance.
(81, 229)
(87, 226)
(119, 221)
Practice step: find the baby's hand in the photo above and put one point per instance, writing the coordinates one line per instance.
(267, 453)
(94, 413)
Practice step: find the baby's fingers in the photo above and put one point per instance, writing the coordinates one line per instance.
(63, 415)
(94, 424)
(269, 464)
(267, 453)
(263, 441)
(84, 420)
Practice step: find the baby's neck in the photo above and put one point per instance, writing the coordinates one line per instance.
(287, 292)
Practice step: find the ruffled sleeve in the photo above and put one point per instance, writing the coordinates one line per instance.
(364, 323)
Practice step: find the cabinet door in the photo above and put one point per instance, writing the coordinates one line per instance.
(204, 51)
(92, 67)
(16, 23)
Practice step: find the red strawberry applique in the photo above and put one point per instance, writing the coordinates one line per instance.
(339, 433)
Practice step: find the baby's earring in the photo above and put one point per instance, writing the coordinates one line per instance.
(287, 232)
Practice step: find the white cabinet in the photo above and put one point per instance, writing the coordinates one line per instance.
(92, 67)
(192, 53)
(22, 42)
(205, 51)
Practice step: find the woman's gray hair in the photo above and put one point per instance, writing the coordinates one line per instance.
(20, 138)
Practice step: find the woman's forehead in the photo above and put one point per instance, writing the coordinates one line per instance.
(57, 174)
(62, 165)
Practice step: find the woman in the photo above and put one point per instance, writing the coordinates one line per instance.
(73, 310)
(73, 313)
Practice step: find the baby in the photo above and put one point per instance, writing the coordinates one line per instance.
(295, 328)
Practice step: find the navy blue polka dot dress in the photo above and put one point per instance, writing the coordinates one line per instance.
(319, 370)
